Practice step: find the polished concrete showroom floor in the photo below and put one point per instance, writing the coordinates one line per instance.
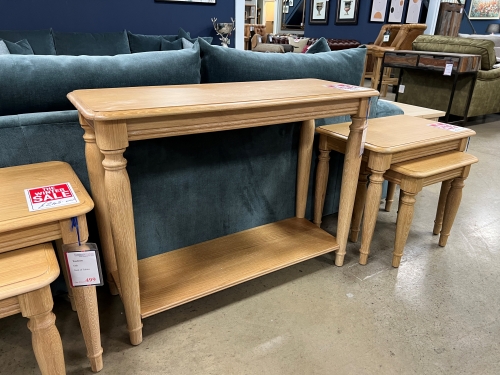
(437, 314)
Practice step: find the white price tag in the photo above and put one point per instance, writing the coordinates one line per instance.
(82, 262)
(461, 10)
(448, 69)
(386, 38)
(401, 89)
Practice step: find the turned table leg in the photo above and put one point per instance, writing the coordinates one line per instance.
(47, 345)
(378, 164)
(405, 217)
(443, 195)
(352, 162)
(304, 166)
(85, 299)
(359, 204)
(450, 212)
(391, 189)
(65, 274)
(321, 179)
(95, 171)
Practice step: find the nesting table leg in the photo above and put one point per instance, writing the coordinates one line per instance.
(405, 217)
(391, 189)
(322, 172)
(47, 345)
(451, 209)
(359, 204)
(443, 195)
(304, 166)
(65, 274)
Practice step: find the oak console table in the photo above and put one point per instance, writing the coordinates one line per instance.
(113, 117)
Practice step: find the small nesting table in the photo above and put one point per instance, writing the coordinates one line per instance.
(389, 140)
(21, 228)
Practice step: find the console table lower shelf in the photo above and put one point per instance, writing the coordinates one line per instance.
(176, 277)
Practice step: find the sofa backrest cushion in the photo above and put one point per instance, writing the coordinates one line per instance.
(92, 44)
(439, 43)
(40, 40)
(147, 43)
(40, 83)
(494, 38)
(221, 64)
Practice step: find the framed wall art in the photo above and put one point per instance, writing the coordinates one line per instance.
(347, 12)
(484, 10)
(413, 12)
(318, 14)
(377, 13)
(396, 11)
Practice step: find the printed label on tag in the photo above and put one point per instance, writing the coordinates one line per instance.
(386, 38)
(461, 10)
(452, 128)
(345, 87)
(82, 262)
(52, 196)
(401, 89)
(448, 69)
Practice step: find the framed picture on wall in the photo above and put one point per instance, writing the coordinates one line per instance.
(318, 14)
(377, 13)
(484, 10)
(396, 11)
(413, 12)
(347, 12)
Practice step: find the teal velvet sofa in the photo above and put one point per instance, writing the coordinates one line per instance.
(185, 189)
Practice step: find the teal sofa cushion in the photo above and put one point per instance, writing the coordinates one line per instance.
(41, 83)
(147, 43)
(41, 41)
(3, 48)
(186, 35)
(92, 44)
(321, 45)
(221, 64)
(171, 46)
(19, 48)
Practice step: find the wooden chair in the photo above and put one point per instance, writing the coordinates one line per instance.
(451, 169)
(25, 276)
(401, 37)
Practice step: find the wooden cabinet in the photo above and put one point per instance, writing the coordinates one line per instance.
(449, 19)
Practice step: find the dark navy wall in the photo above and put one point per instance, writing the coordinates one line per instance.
(138, 16)
(479, 25)
(364, 31)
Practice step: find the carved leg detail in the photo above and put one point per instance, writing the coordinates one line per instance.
(359, 205)
(371, 212)
(119, 198)
(405, 217)
(321, 184)
(47, 345)
(451, 209)
(391, 189)
(443, 195)
(304, 166)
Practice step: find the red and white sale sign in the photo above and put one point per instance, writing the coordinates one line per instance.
(52, 196)
(451, 128)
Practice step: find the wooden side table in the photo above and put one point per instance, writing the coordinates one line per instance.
(389, 140)
(20, 228)
(113, 117)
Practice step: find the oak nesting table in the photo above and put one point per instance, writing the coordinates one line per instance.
(113, 117)
(389, 140)
(21, 228)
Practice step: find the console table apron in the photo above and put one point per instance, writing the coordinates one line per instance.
(113, 117)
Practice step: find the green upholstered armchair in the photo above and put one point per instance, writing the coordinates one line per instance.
(432, 89)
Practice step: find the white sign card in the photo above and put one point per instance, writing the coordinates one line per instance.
(84, 267)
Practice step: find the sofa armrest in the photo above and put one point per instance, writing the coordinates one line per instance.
(488, 75)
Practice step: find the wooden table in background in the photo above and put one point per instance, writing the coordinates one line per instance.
(113, 117)
(389, 140)
(20, 228)
(415, 111)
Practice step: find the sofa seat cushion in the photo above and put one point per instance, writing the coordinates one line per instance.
(439, 43)
(19, 48)
(41, 41)
(91, 44)
(230, 65)
(40, 83)
(147, 43)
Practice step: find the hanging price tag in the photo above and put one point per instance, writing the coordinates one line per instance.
(448, 69)
(83, 264)
(401, 89)
(386, 38)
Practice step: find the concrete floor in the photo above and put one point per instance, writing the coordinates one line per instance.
(437, 314)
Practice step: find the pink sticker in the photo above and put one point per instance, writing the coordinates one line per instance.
(346, 87)
(451, 128)
(51, 196)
